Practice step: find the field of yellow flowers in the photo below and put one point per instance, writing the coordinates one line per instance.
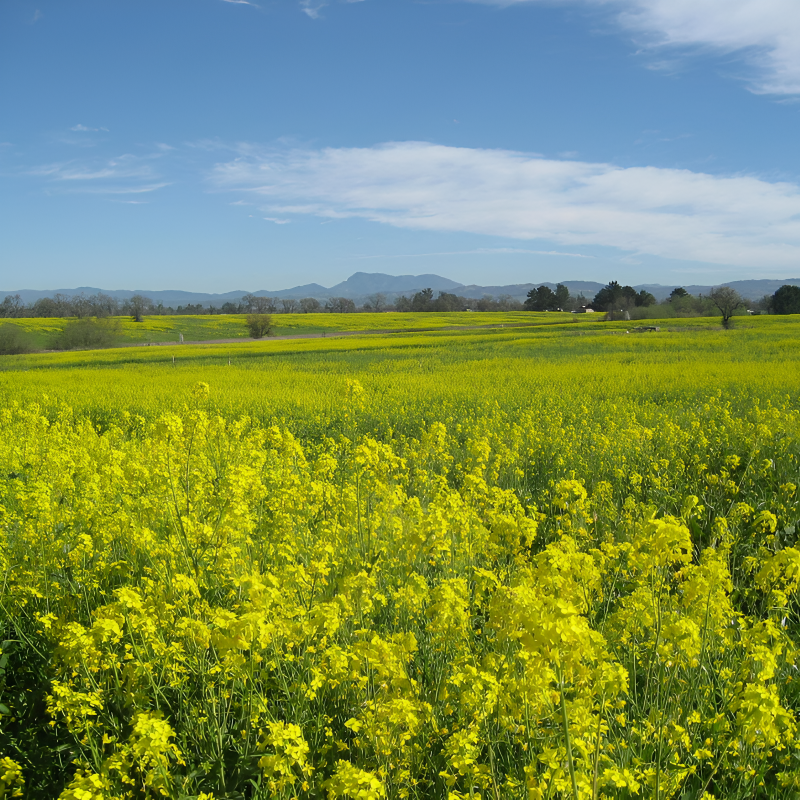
(505, 564)
(158, 329)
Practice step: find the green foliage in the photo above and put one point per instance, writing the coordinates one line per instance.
(259, 325)
(613, 298)
(644, 298)
(786, 300)
(15, 340)
(545, 299)
(88, 333)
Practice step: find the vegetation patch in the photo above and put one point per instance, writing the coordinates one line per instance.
(558, 562)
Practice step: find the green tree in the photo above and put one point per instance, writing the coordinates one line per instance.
(422, 301)
(259, 325)
(677, 293)
(644, 298)
(786, 300)
(541, 299)
(448, 302)
(562, 297)
(615, 297)
(609, 297)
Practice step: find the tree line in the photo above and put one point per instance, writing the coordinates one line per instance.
(614, 299)
(624, 302)
(103, 305)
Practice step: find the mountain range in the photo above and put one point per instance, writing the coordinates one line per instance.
(361, 285)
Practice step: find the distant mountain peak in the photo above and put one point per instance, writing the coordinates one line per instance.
(360, 285)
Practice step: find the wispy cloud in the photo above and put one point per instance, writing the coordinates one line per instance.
(277, 220)
(242, 3)
(737, 219)
(142, 189)
(478, 251)
(312, 7)
(83, 129)
(764, 32)
(37, 15)
(125, 174)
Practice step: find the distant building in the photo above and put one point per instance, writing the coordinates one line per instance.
(584, 310)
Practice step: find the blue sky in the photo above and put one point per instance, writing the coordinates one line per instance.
(215, 145)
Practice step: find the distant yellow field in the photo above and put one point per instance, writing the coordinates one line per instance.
(206, 327)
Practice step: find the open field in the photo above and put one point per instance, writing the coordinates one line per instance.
(205, 327)
(556, 561)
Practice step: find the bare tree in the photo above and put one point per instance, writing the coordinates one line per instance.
(308, 305)
(137, 306)
(12, 306)
(266, 305)
(256, 304)
(375, 302)
(340, 305)
(727, 301)
(289, 306)
(82, 306)
(104, 305)
(63, 305)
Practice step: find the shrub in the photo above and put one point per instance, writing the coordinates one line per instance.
(87, 334)
(14, 340)
(259, 325)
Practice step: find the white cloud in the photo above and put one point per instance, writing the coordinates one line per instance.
(765, 32)
(312, 7)
(242, 3)
(479, 251)
(110, 190)
(736, 220)
(83, 129)
(125, 174)
(81, 172)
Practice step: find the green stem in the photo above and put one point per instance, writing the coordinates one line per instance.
(567, 738)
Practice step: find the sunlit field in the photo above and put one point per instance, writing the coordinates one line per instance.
(207, 327)
(549, 561)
